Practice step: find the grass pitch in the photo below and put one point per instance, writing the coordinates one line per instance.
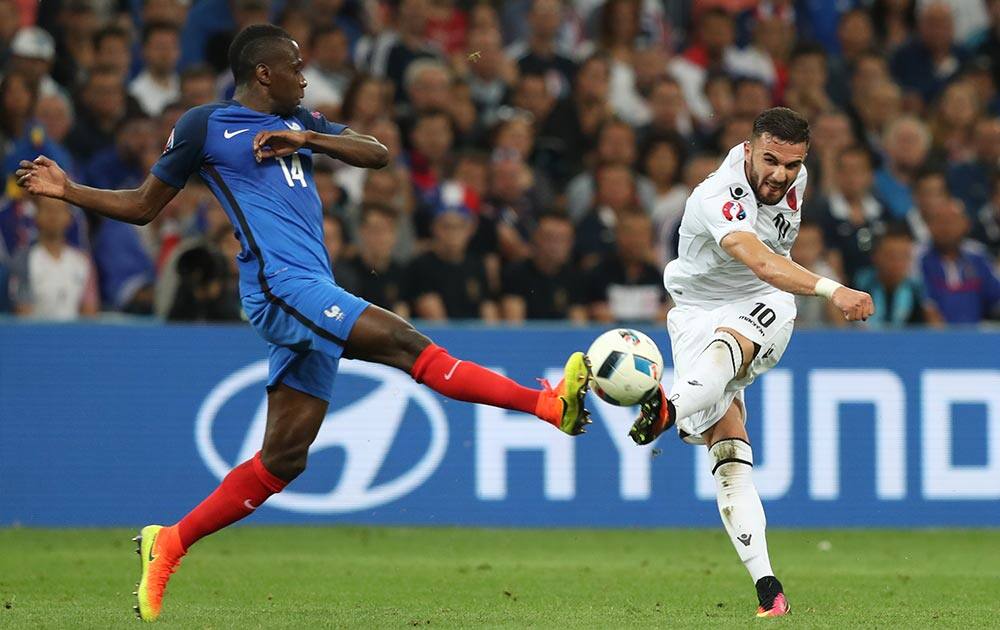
(331, 577)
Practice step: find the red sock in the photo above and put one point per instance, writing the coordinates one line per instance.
(240, 493)
(464, 380)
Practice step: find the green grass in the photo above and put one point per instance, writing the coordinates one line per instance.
(279, 577)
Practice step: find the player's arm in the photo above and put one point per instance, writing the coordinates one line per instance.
(349, 147)
(44, 177)
(787, 275)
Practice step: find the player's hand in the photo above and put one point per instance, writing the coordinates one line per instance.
(855, 305)
(277, 143)
(42, 176)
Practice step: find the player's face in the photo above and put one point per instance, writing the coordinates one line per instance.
(287, 83)
(772, 166)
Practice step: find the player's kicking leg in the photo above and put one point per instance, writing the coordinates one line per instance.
(293, 421)
(383, 337)
(742, 513)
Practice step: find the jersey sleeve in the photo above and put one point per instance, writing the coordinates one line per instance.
(316, 121)
(722, 213)
(184, 153)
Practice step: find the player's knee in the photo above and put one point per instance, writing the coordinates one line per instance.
(287, 462)
(730, 457)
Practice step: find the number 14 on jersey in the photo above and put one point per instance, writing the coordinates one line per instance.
(293, 170)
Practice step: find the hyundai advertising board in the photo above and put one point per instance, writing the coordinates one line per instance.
(119, 425)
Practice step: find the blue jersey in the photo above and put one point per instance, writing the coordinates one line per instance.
(273, 205)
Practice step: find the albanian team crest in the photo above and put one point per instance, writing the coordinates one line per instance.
(733, 210)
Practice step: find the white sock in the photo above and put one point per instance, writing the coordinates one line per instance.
(705, 383)
(739, 504)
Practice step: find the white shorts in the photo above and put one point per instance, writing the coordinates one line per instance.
(766, 320)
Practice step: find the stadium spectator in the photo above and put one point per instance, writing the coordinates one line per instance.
(330, 70)
(661, 161)
(32, 53)
(198, 86)
(751, 97)
(986, 227)
(668, 112)
(894, 22)
(17, 102)
(406, 44)
(468, 125)
(711, 50)
(925, 64)
(365, 101)
(125, 163)
(545, 285)
(490, 73)
(52, 279)
(432, 137)
(158, 84)
(446, 282)
(930, 189)
(624, 286)
(101, 108)
(514, 202)
(332, 197)
(428, 89)
(539, 54)
(578, 120)
(55, 113)
(877, 103)
(595, 231)
(970, 180)
(206, 291)
(907, 144)
(831, 133)
(952, 121)
(855, 36)
(810, 251)
(900, 299)
(335, 238)
(616, 144)
(164, 12)
(113, 49)
(958, 278)
(390, 187)
(807, 80)
(850, 216)
(380, 279)
(76, 23)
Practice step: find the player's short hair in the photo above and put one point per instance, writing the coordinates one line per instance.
(782, 123)
(253, 46)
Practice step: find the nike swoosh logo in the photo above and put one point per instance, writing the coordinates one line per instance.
(230, 134)
(152, 544)
(249, 505)
(447, 376)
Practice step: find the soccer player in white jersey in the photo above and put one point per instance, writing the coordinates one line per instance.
(733, 282)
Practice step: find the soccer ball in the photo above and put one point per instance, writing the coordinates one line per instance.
(626, 366)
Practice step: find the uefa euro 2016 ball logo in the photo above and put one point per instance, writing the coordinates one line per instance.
(733, 209)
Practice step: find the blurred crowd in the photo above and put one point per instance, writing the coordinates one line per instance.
(541, 150)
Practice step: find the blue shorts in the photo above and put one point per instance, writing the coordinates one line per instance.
(306, 322)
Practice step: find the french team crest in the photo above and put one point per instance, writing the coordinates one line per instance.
(733, 210)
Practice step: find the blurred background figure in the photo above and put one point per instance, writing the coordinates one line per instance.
(899, 297)
(52, 279)
(545, 286)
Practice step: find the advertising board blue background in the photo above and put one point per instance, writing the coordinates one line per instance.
(127, 424)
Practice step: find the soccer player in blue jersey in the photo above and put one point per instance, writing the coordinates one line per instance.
(255, 153)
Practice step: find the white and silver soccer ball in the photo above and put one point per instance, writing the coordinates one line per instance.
(626, 366)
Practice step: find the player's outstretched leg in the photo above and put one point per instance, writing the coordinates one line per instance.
(293, 420)
(701, 387)
(382, 337)
(741, 510)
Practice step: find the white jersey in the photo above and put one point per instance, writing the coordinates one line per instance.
(703, 274)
